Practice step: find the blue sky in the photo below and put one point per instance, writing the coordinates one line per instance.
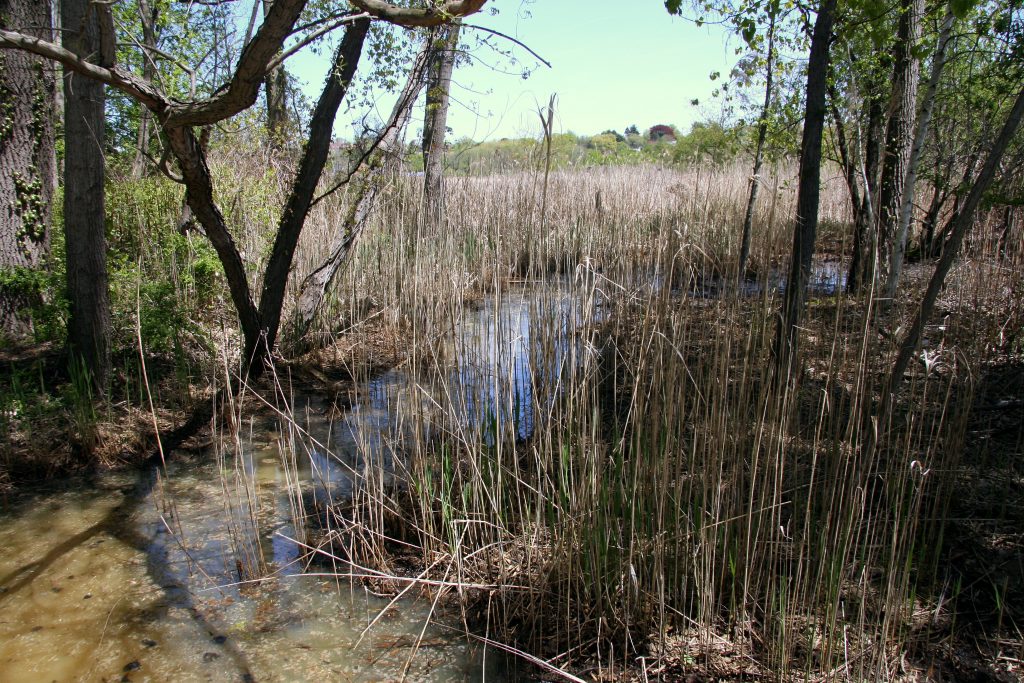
(613, 64)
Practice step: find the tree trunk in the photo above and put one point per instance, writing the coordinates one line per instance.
(276, 84)
(899, 133)
(762, 134)
(899, 244)
(369, 181)
(191, 158)
(177, 119)
(941, 193)
(937, 242)
(148, 15)
(311, 167)
(959, 227)
(845, 156)
(808, 190)
(1009, 220)
(864, 262)
(860, 202)
(84, 208)
(27, 165)
(435, 124)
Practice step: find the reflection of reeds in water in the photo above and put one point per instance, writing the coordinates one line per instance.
(239, 487)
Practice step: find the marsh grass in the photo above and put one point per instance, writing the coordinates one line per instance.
(609, 477)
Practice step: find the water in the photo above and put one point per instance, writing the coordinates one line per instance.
(99, 584)
(151, 577)
(510, 357)
(827, 278)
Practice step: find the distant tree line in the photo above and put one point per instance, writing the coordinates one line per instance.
(705, 143)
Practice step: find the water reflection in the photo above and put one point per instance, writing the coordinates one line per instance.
(827, 278)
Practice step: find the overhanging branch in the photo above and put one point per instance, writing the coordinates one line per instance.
(113, 76)
(242, 91)
(410, 17)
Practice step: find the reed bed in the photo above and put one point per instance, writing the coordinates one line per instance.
(606, 475)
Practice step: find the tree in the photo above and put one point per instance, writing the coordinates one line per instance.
(707, 142)
(762, 134)
(745, 18)
(149, 14)
(382, 161)
(27, 164)
(983, 64)
(899, 136)
(88, 31)
(276, 95)
(959, 227)
(899, 246)
(178, 119)
(311, 166)
(808, 191)
(435, 126)
(865, 173)
(661, 132)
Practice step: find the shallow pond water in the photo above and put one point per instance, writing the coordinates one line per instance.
(146, 577)
(101, 584)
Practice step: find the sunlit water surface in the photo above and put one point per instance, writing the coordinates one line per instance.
(100, 587)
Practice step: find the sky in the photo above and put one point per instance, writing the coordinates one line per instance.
(613, 64)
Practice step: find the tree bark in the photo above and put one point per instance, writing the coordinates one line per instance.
(959, 227)
(428, 16)
(435, 124)
(762, 134)
(899, 135)
(808, 191)
(899, 244)
(846, 158)
(84, 208)
(27, 165)
(864, 262)
(199, 196)
(941, 193)
(148, 16)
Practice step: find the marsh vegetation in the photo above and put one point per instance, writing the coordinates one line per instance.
(562, 412)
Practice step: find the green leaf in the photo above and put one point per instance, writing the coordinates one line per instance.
(961, 8)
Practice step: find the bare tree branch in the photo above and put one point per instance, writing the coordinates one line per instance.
(315, 35)
(242, 91)
(126, 82)
(429, 16)
(511, 40)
